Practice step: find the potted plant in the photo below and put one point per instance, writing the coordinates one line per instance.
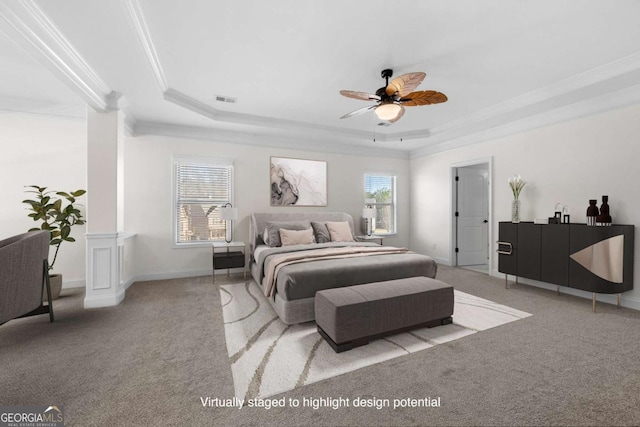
(57, 213)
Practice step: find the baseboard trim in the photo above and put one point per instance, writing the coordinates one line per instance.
(443, 261)
(74, 283)
(126, 283)
(82, 283)
(109, 301)
(626, 301)
(183, 274)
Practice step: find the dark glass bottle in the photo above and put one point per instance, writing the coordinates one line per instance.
(604, 218)
(592, 212)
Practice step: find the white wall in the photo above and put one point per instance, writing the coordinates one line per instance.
(49, 152)
(570, 163)
(149, 195)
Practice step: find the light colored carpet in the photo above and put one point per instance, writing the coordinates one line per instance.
(269, 357)
(149, 360)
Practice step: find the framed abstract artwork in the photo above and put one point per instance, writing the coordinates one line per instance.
(297, 182)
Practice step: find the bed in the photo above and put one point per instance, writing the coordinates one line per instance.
(290, 287)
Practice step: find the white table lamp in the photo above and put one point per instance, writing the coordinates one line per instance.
(229, 213)
(368, 214)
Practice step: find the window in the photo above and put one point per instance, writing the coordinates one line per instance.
(380, 192)
(201, 185)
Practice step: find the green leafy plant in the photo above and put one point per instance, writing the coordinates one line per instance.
(54, 214)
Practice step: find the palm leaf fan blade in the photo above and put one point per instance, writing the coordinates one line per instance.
(358, 111)
(404, 84)
(359, 95)
(424, 97)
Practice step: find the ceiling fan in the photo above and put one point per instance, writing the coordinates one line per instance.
(394, 96)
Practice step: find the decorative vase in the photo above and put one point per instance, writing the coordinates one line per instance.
(515, 211)
(592, 212)
(604, 218)
(558, 213)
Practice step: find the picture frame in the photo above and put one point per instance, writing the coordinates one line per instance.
(297, 182)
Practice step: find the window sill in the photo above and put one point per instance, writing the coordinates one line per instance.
(202, 244)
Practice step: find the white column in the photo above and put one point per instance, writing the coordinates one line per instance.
(103, 134)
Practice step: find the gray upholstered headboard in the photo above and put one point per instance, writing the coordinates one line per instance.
(259, 220)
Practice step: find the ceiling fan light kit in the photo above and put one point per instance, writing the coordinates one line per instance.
(387, 111)
(394, 96)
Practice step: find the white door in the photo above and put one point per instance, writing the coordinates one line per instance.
(473, 215)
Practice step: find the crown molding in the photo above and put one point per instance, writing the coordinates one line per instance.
(600, 104)
(571, 84)
(465, 128)
(206, 110)
(112, 99)
(137, 20)
(27, 25)
(38, 36)
(609, 101)
(304, 143)
(468, 128)
(129, 124)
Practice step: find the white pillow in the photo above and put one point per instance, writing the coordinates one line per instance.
(296, 237)
(340, 231)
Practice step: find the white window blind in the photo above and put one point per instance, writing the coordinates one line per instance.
(201, 187)
(380, 193)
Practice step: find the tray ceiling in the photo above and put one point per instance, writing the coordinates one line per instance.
(505, 66)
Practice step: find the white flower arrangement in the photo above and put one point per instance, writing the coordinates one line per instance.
(517, 184)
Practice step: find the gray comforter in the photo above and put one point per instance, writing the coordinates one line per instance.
(303, 280)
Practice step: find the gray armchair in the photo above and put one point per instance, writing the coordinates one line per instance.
(24, 273)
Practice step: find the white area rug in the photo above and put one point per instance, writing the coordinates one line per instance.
(269, 357)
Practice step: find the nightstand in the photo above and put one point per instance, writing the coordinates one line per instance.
(222, 256)
(370, 238)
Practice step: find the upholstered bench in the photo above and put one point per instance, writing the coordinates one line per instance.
(352, 316)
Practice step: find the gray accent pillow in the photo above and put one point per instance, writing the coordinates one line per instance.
(340, 231)
(273, 229)
(321, 232)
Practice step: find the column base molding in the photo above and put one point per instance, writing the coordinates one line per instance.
(102, 289)
(104, 301)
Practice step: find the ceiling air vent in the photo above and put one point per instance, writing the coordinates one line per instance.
(228, 99)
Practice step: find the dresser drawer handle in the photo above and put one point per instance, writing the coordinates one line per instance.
(501, 252)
